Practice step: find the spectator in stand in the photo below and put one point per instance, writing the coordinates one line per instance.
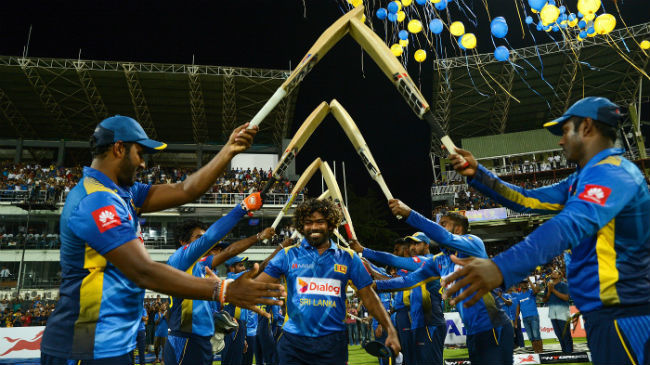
(161, 318)
(528, 309)
(352, 325)
(514, 297)
(557, 297)
(4, 273)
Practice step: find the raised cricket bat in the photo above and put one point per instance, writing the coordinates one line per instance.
(323, 44)
(389, 64)
(297, 188)
(335, 194)
(302, 135)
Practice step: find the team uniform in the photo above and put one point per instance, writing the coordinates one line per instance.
(234, 342)
(385, 299)
(604, 215)
(251, 333)
(402, 321)
(530, 314)
(489, 332)
(190, 321)
(428, 325)
(99, 311)
(140, 339)
(264, 341)
(559, 313)
(511, 311)
(162, 328)
(314, 331)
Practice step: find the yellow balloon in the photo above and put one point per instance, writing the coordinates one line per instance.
(574, 22)
(589, 17)
(457, 28)
(420, 55)
(645, 44)
(580, 38)
(355, 3)
(605, 23)
(396, 49)
(414, 26)
(468, 40)
(407, 2)
(435, 1)
(534, 11)
(588, 6)
(403, 42)
(549, 14)
(400, 16)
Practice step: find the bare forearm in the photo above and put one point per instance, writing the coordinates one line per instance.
(199, 182)
(562, 296)
(233, 250)
(165, 279)
(271, 256)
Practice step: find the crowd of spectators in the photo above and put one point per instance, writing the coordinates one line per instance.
(25, 312)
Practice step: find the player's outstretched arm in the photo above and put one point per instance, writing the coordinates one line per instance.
(135, 263)
(427, 272)
(241, 246)
(377, 310)
(458, 161)
(385, 258)
(164, 196)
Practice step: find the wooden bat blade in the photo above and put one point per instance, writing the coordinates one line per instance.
(335, 193)
(323, 44)
(324, 195)
(300, 184)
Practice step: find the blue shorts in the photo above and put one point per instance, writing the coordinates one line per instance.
(429, 342)
(125, 359)
(330, 349)
(194, 350)
(621, 340)
(403, 326)
(492, 346)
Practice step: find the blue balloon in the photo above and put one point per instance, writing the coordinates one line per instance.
(556, 28)
(403, 34)
(572, 17)
(442, 5)
(460, 43)
(537, 4)
(562, 18)
(546, 27)
(393, 8)
(582, 24)
(435, 26)
(591, 30)
(564, 25)
(421, 2)
(392, 17)
(529, 20)
(499, 27)
(580, 15)
(562, 9)
(381, 13)
(551, 2)
(502, 53)
(583, 34)
(540, 27)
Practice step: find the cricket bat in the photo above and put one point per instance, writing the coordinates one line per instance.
(297, 188)
(389, 64)
(297, 142)
(335, 194)
(323, 44)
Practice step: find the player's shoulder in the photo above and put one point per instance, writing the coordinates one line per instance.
(291, 248)
(346, 250)
(616, 169)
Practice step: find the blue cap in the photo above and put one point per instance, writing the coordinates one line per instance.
(235, 260)
(594, 107)
(125, 129)
(419, 237)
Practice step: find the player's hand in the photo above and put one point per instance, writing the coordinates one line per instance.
(247, 293)
(399, 208)
(464, 162)
(482, 275)
(287, 242)
(241, 139)
(245, 346)
(393, 342)
(252, 202)
(355, 245)
(378, 331)
(267, 233)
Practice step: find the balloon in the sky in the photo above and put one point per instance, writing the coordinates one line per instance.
(645, 44)
(414, 26)
(397, 50)
(529, 20)
(468, 40)
(457, 28)
(404, 43)
(381, 13)
(407, 2)
(537, 4)
(441, 5)
(435, 26)
(420, 55)
(562, 9)
(502, 53)
(583, 34)
(392, 17)
(549, 14)
(588, 6)
(394, 7)
(403, 34)
(605, 23)
(421, 2)
(401, 16)
(499, 27)
(591, 31)
(582, 24)
(589, 17)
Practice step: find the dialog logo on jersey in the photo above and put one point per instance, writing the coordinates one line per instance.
(106, 218)
(319, 286)
(595, 194)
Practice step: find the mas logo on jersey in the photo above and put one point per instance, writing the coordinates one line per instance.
(340, 268)
(319, 286)
(106, 218)
(595, 194)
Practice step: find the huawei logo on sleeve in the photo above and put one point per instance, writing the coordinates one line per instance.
(595, 194)
(106, 218)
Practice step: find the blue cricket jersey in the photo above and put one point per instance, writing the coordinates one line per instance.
(604, 215)
(527, 304)
(487, 313)
(194, 317)
(316, 286)
(99, 309)
(386, 300)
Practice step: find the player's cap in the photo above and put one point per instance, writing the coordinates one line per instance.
(235, 260)
(125, 129)
(594, 107)
(418, 237)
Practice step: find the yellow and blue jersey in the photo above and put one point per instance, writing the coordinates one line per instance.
(99, 309)
(603, 217)
(316, 286)
(194, 317)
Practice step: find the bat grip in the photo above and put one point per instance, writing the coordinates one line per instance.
(278, 95)
(267, 187)
(275, 224)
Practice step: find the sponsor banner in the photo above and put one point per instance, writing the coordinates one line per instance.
(21, 342)
(457, 362)
(486, 214)
(561, 358)
(318, 286)
(525, 359)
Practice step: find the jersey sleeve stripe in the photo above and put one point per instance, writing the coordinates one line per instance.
(607, 271)
(90, 299)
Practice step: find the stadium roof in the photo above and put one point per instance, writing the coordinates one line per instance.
(47, 99)
(571, 69)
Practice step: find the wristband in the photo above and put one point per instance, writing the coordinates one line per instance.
(216, 290)
(258, 237)
(222, 294)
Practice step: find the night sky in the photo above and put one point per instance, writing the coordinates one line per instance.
(269, 34)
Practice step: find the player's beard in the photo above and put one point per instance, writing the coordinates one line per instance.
(127, 172)
(317, 241)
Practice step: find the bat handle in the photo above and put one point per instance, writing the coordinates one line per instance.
(275, 224)
(278, 95)
(387, 193)
(451, 148)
